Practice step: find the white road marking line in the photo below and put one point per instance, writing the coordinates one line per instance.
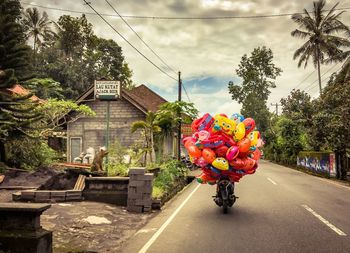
(330, 225)
(166, 223)
(272, 181)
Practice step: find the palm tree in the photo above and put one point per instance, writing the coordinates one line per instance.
(319, 28)
(37, 26)
(148, 128)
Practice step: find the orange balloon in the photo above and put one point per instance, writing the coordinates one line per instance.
(244, 145)
(208, 154)
(189, 143)
(194, 151)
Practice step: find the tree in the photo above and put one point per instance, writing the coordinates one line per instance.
(148, 128)
(298, 107)
(57, 113)
(321, 30)
(44, 88)
(79, 57)
(258, 73)
(37, 27)
(16, 112)
(334, 111)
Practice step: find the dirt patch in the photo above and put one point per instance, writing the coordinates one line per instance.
(90, 226)
(35, 179)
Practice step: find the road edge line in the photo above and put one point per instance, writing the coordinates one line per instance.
(166, 223)
(326, 222)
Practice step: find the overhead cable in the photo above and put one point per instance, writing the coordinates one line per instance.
(175, 17)
(170, 68)
(87, 3)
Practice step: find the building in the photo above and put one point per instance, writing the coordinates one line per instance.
(87, 132)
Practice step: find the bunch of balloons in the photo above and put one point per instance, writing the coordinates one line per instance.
(224, 146)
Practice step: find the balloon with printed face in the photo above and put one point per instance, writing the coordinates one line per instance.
(249, 124)
(202, 135)
(243, 145)
(208, 154)
(254, 137)
(220, 163)
(224, 124)
(236, 117)
(194, 151)
(239, 132)
(221, 151)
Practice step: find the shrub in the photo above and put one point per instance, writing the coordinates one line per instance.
(117, 169)
(28, 153)
(170, 173)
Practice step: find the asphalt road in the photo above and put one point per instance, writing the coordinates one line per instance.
(278, 210)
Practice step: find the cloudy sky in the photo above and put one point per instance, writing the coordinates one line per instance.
(207, 52)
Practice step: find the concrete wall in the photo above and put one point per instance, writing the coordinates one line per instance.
(92, 130)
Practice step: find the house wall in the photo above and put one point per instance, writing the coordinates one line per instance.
(92, 130)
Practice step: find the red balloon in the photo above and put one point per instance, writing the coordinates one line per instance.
(249, 164)
(249, 124)
(194, 151)
(256, 154)
(244, 145)
(237, 163)
(221, 151)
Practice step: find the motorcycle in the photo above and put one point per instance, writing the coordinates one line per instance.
(225, 196)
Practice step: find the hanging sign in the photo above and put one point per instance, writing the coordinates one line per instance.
(107, 90)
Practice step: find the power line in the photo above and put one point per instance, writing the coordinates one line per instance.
(87, 3)
(141, 38)
(173, 17)
(310, 88)
(304, 79)
(183, 86)
(313, 86)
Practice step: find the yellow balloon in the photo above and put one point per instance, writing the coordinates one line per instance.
(224, 124)
(240, 131)
(220, 163)
(254, 137)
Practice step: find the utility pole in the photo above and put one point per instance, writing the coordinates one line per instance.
(277, 105)
(179, 129)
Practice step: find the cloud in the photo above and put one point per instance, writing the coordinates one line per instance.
(202, 49)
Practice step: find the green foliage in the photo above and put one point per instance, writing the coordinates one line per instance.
(29, 153)
(118, 164)
(77, 57)
(16, 115)
(321, 28)
(170, 173)
(117, 169)
(157, 192)
(56, 113)
(44, 88)
(170, 113)
(285, 140)
(258, 73)
(38, 27)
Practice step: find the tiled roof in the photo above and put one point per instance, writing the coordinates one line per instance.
(141, 96)
(21, 91)
(145, 97)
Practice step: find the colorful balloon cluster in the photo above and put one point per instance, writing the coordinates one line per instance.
(224, 146)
